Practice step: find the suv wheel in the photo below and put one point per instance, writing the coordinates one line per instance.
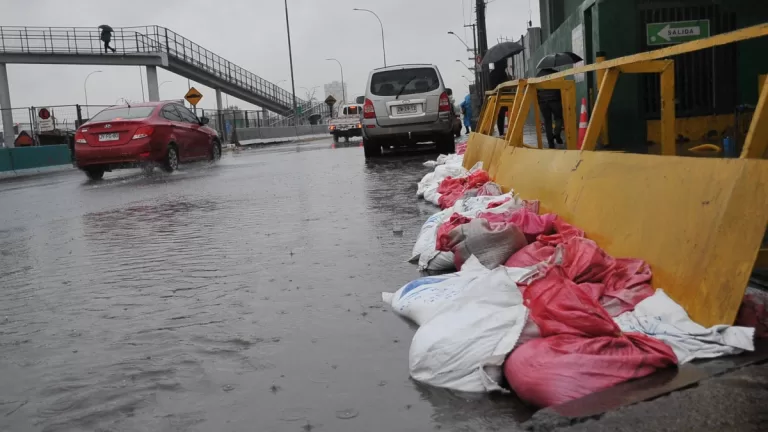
(371, 148)
(446, 144)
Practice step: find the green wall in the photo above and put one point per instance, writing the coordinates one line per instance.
(34, 157)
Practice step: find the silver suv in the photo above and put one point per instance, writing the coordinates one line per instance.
(405, 105)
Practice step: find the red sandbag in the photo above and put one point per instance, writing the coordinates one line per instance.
(581, 351)
(444, 242)
(452, 189)
(540, 251)
(532, 224)
(754, 312)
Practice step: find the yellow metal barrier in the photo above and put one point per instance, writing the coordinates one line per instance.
(698, 222)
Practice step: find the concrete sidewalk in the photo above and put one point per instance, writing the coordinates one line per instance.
(270, 141)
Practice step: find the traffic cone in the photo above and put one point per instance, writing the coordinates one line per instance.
(583, 121)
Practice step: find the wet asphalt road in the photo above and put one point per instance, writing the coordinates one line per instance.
(245, 296)
(238, 296)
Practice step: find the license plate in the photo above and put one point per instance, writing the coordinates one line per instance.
(407, 109)
(109, 137)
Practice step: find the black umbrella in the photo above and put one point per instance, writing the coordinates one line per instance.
(558, 59)
(107, 28)
(501, 51)
(545, 72)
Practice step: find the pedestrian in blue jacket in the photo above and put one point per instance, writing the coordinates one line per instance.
(466, 110)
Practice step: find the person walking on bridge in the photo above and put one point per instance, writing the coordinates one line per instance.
(551, 107)
(498, 76)
(106, 37)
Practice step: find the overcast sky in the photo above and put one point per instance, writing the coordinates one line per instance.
(252, 34)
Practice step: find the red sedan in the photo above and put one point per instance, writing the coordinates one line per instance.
(147, 134)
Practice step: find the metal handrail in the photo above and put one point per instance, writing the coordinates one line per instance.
(140, 40)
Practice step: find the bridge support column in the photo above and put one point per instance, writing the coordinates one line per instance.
(220, 116)
(5, 107)
(154, 89)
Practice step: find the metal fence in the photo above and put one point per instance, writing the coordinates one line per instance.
(140, 40)
(67, 118)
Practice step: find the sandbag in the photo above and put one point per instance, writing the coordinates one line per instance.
(452, 189)
(471, 207)
(425, 242)
(661, 318)
(489, 189)
(492, 244)
(531, 224)
(443, 232)
(463, 345)
(436, 261)
(581, 350)
(419, 299)
(753, 312)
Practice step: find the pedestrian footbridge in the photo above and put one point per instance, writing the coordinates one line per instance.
(149, 46)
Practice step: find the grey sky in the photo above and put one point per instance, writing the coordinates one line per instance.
(251, 33)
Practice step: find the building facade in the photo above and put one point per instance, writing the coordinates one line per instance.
(710, 85)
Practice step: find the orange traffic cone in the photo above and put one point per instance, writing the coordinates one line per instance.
(583, 121)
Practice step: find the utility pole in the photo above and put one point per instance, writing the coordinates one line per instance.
(482, 36)
(290, 58)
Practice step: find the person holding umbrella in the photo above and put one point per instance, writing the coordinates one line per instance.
(498, 55)
(106, 37)
(551, 107)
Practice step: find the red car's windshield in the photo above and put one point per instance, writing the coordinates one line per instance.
(123, 113)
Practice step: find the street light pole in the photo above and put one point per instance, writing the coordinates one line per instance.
(343, 89)
(290, 58)
(465, 65)
(462, 41)
(383, 49)
(85, 90)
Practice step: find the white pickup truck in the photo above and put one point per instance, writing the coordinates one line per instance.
(347, 122)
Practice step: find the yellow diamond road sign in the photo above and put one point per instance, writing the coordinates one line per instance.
(193, 96)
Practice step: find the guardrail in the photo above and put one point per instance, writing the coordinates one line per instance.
(139, 40)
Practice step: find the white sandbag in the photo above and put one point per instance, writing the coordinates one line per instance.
(426, 242)
(426, 181)
(431, 195)
(658, 316)
(419, 299)
(436, 260)
(471, 207)
(491, 244)
(463, 345)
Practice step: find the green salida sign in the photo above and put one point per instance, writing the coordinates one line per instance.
(666, 33)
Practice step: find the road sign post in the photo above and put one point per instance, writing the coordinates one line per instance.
(666, 33)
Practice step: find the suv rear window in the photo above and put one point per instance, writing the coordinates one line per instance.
(409, 81)
(123, 113)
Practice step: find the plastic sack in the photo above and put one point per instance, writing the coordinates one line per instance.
(471, 207)
(419, 299)
(425, 242)
(489, 189)
(544, 247)
(463, 345)
(581, 350)
(443, 238)
(492, 244)
(452, 189)
(532, 224)
(661, 318)
(753, 312)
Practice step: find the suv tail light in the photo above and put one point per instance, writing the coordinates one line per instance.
(80, 138)
(445, 103)
(368, 111)
(143, 132)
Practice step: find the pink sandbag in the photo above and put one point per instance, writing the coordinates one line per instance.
(491, 243)
(532, 224)
(443, 238)
(581, 350)
(754, 312)
(618, 284)
(452, 189)
(540, 251)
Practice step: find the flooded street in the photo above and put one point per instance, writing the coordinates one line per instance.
(238, 296)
